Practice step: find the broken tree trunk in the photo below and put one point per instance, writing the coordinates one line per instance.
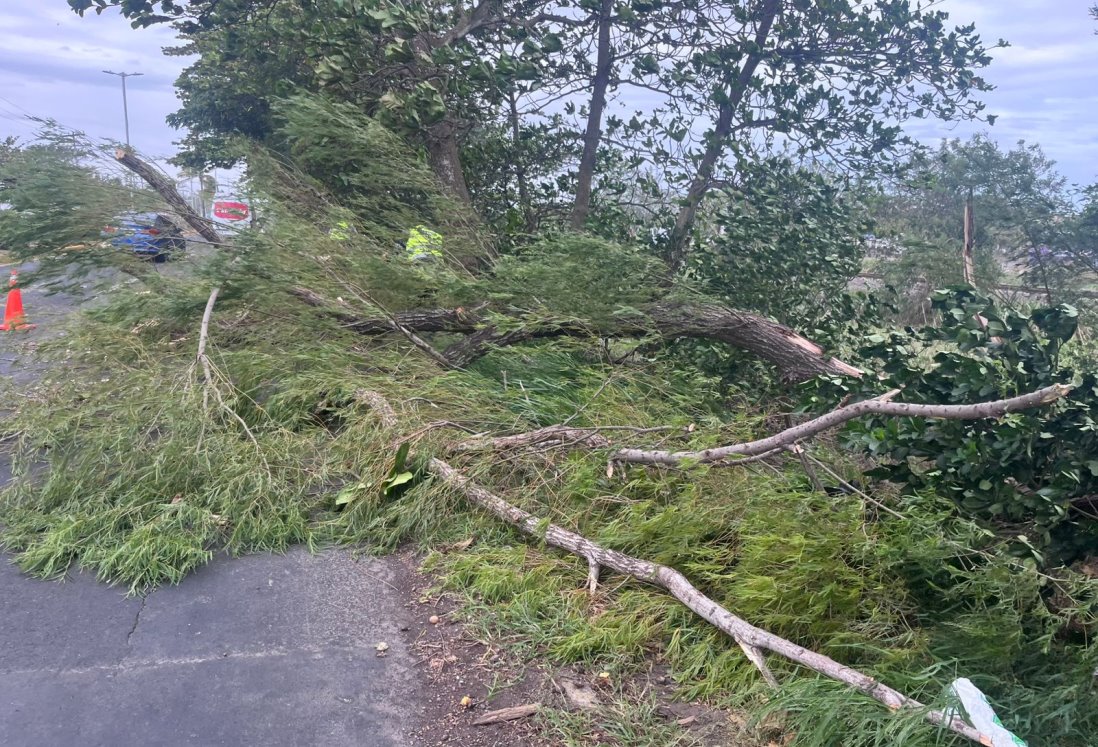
(753, 640)
(795, 356)
(168, 193)
(968, 264)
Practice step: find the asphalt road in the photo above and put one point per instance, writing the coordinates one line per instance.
(259, 650)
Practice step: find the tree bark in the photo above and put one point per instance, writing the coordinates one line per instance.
(716, 142)
(553, 435)
(168, 193)
(508, 714)
(796, 357)
(592, 137)
(842, 415)
(444, 156)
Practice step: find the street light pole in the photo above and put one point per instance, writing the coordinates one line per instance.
(125, 104)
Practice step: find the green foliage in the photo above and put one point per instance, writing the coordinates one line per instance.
(556, 276)
(832, 80)
(1022, 217)
(1030, 472)
(787, 241)
(56, 203)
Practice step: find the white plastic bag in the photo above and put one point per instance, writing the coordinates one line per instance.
(978, 712)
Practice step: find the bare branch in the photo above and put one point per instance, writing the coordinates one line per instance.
(753, 640)
(842, 415)
(203, 339)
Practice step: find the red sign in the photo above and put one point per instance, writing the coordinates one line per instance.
(231, 210)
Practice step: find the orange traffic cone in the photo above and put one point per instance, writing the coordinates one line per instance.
(13, 311)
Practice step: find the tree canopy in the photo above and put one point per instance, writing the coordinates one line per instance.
(719, 85)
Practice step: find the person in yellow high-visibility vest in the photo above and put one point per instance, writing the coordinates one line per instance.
(341, 231)
(424, 244)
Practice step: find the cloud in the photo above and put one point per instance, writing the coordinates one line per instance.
(1052, 55)
(51, 64)
(1043, 81)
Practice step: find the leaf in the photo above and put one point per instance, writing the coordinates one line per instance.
(349, 493)
(401, 457)
(397, 480)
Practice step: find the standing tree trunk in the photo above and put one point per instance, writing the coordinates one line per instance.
(968, 265)
(444, 155)
(520, 167)
(717, 140)
(593, 135)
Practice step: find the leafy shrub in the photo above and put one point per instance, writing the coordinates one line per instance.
(1033, 474)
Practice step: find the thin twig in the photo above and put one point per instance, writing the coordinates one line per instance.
(203, 338)
(849, 486)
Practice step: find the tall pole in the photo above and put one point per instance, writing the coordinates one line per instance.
(125, 103)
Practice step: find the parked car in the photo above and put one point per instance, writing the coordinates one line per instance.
(149, 235)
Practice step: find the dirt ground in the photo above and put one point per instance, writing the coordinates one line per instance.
(462, 679)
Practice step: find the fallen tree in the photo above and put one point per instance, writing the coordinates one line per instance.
(754, 641)
(167, 191)
(796, 357)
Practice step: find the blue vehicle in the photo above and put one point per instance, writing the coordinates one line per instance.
(148, 235)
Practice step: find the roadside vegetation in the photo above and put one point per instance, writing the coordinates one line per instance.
(176, 424)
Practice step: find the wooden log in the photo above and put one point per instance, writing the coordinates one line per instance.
(508, 714)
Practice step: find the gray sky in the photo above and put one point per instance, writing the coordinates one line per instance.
(50, 63)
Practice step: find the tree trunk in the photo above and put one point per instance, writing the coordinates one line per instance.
(968, 265)
(520, 167)
(444, 155)
(593, 135)
(796, 357)
(167, 191)
(717, 141)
